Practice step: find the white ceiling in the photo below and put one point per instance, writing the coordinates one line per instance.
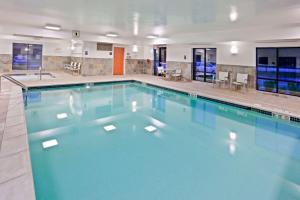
(179, 21)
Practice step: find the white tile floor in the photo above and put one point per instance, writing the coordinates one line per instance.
(16, 182)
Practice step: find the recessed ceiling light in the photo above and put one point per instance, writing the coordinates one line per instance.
(112, 35)
(62, 116)
(49, 143)
(53, 27)
(233, 16)
(150, 128)
(152, 36)
(109, 128)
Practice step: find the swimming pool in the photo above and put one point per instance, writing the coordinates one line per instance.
(125, 141)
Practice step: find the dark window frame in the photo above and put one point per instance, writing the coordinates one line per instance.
(277, 80)
(27, 55)
(205, 63)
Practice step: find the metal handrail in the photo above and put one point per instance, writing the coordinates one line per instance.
(6, 76)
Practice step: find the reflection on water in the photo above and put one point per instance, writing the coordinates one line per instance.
(204, 113)
(278, 137)
(204, 146)
(159, 100)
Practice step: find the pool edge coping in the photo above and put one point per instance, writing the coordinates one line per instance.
(15, 179)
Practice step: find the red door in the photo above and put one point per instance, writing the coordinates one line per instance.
(118, 61)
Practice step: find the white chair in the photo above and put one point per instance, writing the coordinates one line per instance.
(76, 68)
(69, 66)
(241, 81)
(160, 71)
(223, 78)
(177, 75)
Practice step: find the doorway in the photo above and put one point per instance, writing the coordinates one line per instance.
(160, 58)
(204, 64)
(118, 68)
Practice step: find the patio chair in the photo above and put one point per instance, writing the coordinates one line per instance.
(241, 81)
(223, 78)
(68, 66)
(177, 74)
(160, 71)
(76, 68)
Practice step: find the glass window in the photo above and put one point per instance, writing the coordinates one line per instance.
(20, 56)
(204, 64)
(290, 88)
(267, 63)
(34, 57)
(199, 63)
(163, 57)
(267, 85)
(211, 62)
(278, 70)
(289, 64)
(27, 56)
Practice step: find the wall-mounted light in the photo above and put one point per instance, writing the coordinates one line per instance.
(135, 48)
(53, 27)
(234, 49)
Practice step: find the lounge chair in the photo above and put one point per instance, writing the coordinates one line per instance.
(241, 81)
(223, 78)
(177, 74)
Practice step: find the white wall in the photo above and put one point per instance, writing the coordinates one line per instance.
(63, 48)
(177, 53)
(91, 47)
(5, 47)
(246, 55)
(54, 48)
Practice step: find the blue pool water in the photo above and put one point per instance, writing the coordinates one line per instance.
(200, 150)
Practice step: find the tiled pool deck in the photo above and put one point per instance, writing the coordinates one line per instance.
(15, 167)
